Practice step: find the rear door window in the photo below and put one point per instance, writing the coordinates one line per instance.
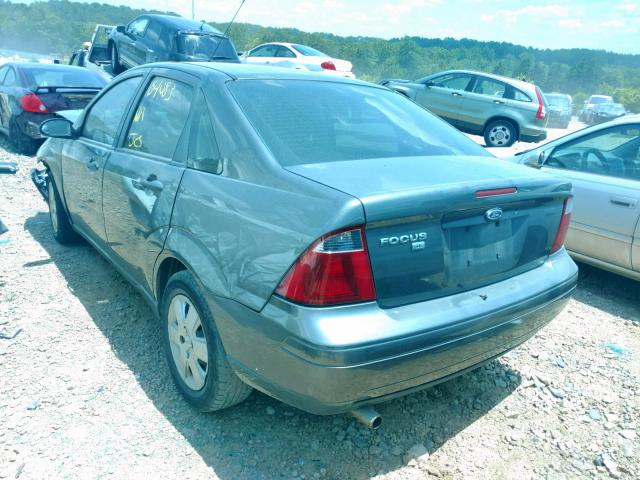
(265, 51)
(10, 79)
(158, 35)
(285, 52)
(490, 87)
(102, 121)
(160, 117)
(3, 72)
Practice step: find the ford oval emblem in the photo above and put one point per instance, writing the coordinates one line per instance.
(493, 214)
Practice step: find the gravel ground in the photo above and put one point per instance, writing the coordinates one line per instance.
(85, 392)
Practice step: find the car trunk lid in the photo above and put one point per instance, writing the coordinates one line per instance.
(66, 98)
(436, 226)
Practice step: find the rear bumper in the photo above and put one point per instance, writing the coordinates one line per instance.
(533, 136)
(29, 123)
(331, 360)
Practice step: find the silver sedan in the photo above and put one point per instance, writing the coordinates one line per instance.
(603, 163)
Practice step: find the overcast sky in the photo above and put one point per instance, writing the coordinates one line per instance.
(600, 24)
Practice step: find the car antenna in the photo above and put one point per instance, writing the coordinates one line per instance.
(226, 30)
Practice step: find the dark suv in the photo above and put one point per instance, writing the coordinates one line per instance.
(155, 38)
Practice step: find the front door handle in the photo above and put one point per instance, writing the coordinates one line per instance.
(93, 164)
(456, 94)
(623, 201)
(499, 102)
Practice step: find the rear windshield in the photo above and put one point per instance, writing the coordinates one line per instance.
(308, 51)
(557, 100)
(601, 100)
(611, 107)
(62, 77)
(304, 121)
(203, 46)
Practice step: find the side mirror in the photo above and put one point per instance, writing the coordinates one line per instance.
(56, 128)
(429, 83)
(120, 29)
(536, 160)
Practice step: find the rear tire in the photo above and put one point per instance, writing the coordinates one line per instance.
(500, 133)
(22, 143)
(116, 66)
(196, 357)
(63, 232)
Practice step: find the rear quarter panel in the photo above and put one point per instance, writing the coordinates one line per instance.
(240, 231)
(240, 238)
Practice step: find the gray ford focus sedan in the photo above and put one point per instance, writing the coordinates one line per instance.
(324, 240)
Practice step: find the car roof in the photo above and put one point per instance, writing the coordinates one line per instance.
(179, 23)
(249, 71)
(46, 66)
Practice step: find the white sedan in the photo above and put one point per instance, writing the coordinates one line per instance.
(299, 57)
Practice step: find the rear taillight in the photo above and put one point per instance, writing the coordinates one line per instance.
(328, 65)
(335, 270)
(542, 110)
(564, 225)
(32, 103)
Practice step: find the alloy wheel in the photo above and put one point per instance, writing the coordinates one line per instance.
(188, 342)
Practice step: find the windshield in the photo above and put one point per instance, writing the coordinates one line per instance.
(305, 122)
(308, 51)
(202, 47)
(62, 77)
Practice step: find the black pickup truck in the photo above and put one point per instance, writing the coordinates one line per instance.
(155, 38)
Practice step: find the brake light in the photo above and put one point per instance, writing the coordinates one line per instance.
(32, 103)
(495, 191)
(542, 110)
(328, 65)
(334, 270)
(564, 225)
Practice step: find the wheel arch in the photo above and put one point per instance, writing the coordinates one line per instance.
(168, 266)
(184, 252)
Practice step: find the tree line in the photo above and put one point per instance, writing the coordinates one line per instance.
(59, 26)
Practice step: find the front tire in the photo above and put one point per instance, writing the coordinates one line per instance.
(195, 354)
(500, 133)
(63, 232)
(116, 66)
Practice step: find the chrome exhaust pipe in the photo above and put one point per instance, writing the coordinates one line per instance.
(368, 416)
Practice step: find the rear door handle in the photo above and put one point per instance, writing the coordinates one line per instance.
(499, 102)
(456, 94)
(93, 164)
(623, 201)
